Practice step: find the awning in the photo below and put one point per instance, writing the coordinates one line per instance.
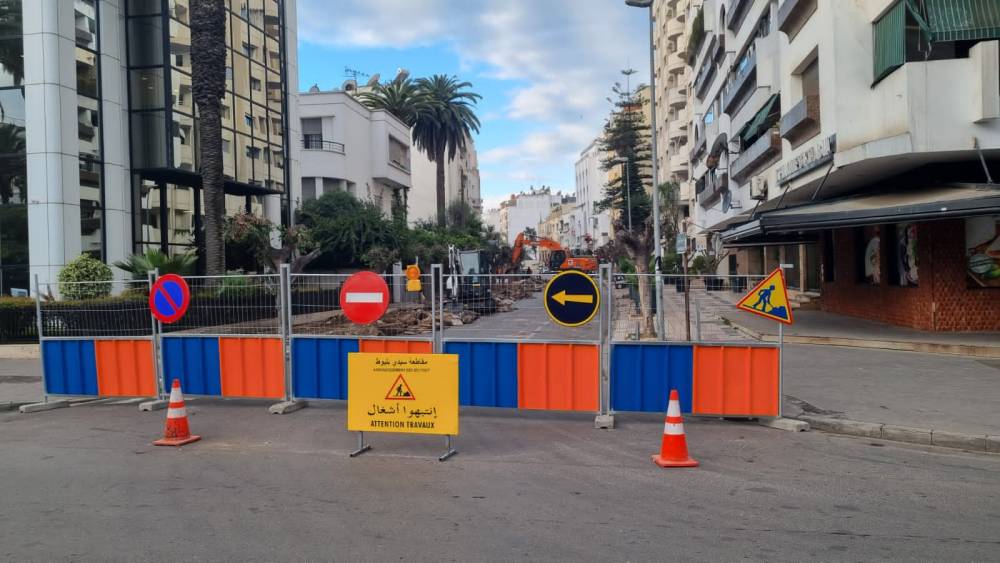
(963, 20)
(925, 204)
(750, 129)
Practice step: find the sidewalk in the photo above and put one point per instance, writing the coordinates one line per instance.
(903, 396)
(20, 382)
(819, 327)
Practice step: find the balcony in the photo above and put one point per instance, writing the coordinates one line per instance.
(699, 147)
(737, 13)
(679, 162)
(762, 151)
(676, 63)
(714, 186)
(676, 133)
(740, 80)
(677, 97)
(793, 14)
(316, 143)
(675, 28)
(802, 121)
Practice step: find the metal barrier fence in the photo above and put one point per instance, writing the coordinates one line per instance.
(285, 336)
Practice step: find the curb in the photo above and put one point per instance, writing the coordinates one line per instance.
(922, 436)
(19, 352)
(989, 352)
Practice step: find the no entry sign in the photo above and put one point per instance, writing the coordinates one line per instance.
(169, 298)
(364, 297)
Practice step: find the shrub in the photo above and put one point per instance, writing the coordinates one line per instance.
(17, 319)
(85, 268)
(140, 264)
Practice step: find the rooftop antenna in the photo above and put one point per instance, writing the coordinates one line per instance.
(354, 73)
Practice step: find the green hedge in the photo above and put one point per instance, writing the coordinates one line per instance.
(17, 320)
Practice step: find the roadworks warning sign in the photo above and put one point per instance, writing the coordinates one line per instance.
(407, 393)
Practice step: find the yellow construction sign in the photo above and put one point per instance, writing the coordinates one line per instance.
(407, 393)
(769, 299)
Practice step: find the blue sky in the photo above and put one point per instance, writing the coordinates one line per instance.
(543, 67)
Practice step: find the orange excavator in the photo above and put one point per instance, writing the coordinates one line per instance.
(560, 259)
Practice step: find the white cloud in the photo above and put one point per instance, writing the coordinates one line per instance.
(565, 55)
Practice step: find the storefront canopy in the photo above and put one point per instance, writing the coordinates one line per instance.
(925, 204)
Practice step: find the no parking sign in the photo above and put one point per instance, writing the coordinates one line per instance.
(169, 298)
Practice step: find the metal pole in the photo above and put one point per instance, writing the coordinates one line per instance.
(448, 450)
(687, 298)
(362, 446)
(41, 343)
(285, 318)
(437, 307)
(697, 322)
(157, 368)
(781, 360)
(159, 338)
(628, 193)
(657, 250)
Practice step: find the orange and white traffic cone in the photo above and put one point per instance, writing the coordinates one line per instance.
(176, 432)
(674, 449)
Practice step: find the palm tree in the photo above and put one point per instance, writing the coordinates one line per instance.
(208, 84)
(443, 129)
(399, 97)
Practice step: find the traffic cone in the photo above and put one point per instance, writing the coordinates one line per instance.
(674, 449)
(176, 432)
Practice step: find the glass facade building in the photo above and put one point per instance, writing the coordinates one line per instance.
(13, 172)
(163, 120)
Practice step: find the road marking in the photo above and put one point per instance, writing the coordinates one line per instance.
(363, 297)
(561, 298)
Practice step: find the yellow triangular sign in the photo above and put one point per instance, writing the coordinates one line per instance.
(400, 391)
(769, 299)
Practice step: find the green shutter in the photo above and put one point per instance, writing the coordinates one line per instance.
(890, 41)
(963, 20)
(752, 128)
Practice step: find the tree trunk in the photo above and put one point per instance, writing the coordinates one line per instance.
(441, 195)
(208, 83)
(645, 293)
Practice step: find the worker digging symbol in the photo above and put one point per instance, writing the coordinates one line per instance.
(400, 391)
(764, 299)
(768, 299)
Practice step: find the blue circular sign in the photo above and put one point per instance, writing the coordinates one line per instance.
(169, 298)
(572, 298)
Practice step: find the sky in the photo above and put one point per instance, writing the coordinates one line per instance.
(545, 69)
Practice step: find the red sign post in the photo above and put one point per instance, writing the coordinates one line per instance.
(364, 297)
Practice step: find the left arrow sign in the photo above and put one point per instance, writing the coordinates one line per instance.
(561, 298)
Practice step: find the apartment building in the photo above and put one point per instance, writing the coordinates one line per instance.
(858, 144)
(99, 151)
(590, 183)
(350, 148)
(674, 22)
(527, 210)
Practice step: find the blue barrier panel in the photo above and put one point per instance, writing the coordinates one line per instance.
(642, 376)
(319, 367)
(487, 373)
(193, 360)
(70, 367)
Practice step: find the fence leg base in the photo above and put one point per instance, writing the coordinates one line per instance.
(39, 407)
(154, 405)
(286, 407)
(788, 424)
(604, 421)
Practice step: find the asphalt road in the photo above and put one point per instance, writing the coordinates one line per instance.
(84, 484)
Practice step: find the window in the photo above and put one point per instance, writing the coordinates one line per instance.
(902, 254)
(829, 260)
(253, 152)
(810, 79)
(248, 119)
(308, 189)
(399, 154)
(255, 84)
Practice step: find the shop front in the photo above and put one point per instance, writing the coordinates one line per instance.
(927, 259)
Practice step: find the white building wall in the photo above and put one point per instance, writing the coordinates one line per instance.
(591, 182)
(423, 195)
(364, 162)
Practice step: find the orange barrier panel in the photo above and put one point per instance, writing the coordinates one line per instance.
(125, 368)
(252, 367)
(396, 346)
(558, 376)
(735, 381)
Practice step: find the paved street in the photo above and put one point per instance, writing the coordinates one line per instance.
(84, 484)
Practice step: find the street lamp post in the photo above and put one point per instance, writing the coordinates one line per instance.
(658, 251)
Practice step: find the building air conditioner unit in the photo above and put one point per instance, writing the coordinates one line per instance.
(758, 188)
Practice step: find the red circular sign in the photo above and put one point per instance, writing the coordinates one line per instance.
(364, 297)
(169, 298)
